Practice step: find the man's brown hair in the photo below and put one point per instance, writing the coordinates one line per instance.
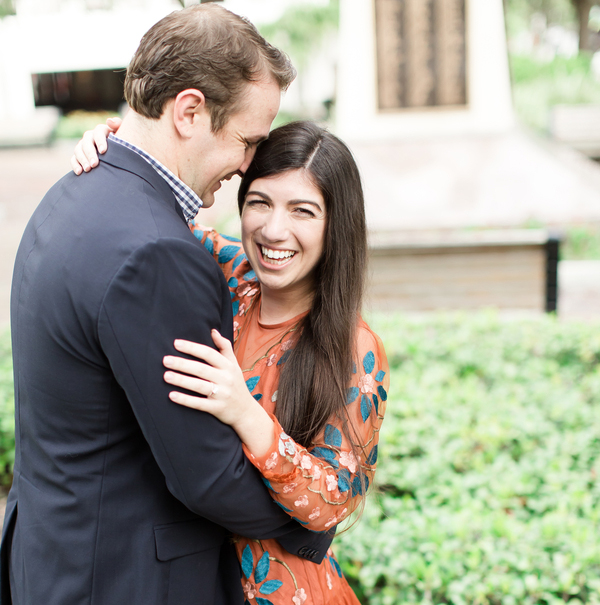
(208, 48)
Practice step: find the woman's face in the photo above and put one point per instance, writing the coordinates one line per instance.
(283, 229)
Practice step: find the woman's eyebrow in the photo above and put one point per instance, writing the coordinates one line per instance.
(315, 204)
(259, 193)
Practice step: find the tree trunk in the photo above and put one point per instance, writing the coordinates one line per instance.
(583, 15)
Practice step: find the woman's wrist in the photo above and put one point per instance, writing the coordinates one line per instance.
(255, 428)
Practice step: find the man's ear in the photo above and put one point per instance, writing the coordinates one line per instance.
(190, 112)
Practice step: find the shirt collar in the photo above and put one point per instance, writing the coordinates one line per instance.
(189, 201)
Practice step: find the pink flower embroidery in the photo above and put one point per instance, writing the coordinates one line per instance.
(306, 462)
(329, 582)
(316, 513)
(236, 325)
(249, 590)
(301, 502)
(274, 397)
(316, 473)
(286, 345)
(243, 291)
(342, 514)
(331, 482)
(348, 460)
(252, 292)
(242, 309)
(287, 489)
(299, 597)
(331, 521)
(297, 458)
(271, 359)
(271, 461)
(366, 383)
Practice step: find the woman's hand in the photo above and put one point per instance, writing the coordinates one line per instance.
(93, 142)
(219, 378)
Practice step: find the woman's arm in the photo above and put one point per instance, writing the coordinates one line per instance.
(226, 250)
(223, 390)
(318, 487)
(91, 144)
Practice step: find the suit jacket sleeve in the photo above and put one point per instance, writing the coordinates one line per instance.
(172, 289)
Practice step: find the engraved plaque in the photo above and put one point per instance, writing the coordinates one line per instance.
(421, 53)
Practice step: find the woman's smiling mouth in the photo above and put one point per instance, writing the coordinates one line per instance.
(275, 257)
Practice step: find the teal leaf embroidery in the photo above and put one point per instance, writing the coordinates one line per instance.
(344, 480)
(365, 407)
(261, 601)
(249, 276)
(382, 393)
(270, 587)
(257, 396)
(369, 362)
(333, 437)
(233, 282)
(262, 568)
(376, 402)
(323, 453)
(372, 459)
(252, 382)
(247, 562)
(285, 508)
(353, 368)
(198, 233)
(352, 394)
(208, 244)
(284, 357)
(357, 487)
(227, 253)
(379, 376)
(230, 238)
(335, 566)
(238, 261)
(235, 307)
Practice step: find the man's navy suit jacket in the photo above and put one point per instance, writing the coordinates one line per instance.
(121, 497)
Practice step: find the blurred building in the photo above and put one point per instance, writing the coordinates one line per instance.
(451, 181)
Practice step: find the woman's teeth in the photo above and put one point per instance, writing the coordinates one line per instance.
(276, 257)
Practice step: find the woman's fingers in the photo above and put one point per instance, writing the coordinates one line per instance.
(224, 346)
(202, 387)
(196, 369)
(114, 123)
(197, 403)
(200, 351)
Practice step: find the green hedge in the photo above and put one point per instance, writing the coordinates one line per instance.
(488, 487)
(7, 414)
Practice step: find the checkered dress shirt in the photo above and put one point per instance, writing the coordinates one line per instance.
(188, 200)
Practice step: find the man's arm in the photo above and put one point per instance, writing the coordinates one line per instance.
(172, 289)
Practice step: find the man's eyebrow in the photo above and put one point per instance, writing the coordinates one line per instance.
(256, 140)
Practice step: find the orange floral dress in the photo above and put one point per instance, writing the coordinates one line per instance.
(319, 486)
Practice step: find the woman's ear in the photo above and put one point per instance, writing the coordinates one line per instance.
(190, 112)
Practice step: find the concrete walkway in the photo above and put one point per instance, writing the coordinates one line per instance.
(26, 174)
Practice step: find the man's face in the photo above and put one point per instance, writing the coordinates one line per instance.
(219, 156)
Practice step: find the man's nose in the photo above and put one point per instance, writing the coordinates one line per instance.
(247, 159)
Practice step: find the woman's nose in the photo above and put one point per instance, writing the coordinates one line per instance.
(275, 226)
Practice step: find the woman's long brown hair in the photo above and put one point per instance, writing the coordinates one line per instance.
(315, 377)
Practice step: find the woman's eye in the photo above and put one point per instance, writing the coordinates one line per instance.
(305, 212)
(256, 202)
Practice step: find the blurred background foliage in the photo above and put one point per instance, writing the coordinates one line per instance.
(7, 7)
(488, 489)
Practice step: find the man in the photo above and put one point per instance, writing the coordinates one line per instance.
(121, 497)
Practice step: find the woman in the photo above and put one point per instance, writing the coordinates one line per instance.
(306, 382)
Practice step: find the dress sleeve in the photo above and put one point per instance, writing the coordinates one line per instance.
(226, 250)
(322, 485)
